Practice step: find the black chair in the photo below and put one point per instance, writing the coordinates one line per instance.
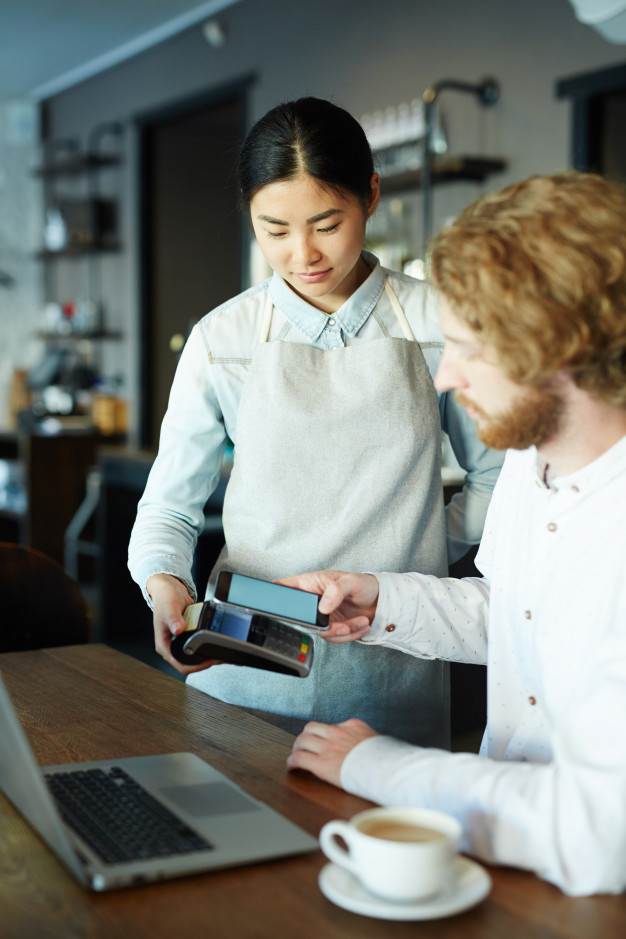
(40, 605)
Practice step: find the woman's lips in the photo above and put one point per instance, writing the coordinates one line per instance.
(314, 277)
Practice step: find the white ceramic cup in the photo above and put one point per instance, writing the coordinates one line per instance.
(400, 855)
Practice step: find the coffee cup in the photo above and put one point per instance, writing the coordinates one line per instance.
(399, 855)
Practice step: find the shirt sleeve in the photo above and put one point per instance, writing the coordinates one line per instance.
(187, 469)
(565, 819)
(432, 617)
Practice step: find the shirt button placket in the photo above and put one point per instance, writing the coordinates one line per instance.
(334, 335)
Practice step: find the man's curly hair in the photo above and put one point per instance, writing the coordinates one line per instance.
(539, 270)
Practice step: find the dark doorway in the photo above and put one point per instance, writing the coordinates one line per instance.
(599, 120)
(191, 232)
(609, 152)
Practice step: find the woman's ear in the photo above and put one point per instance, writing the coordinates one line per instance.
(375, 195)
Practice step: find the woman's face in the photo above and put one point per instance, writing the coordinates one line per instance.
(312, 237)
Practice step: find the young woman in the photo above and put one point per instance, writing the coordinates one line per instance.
(322, 378)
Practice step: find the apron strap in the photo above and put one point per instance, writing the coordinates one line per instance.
(404, 323)
(267, 318)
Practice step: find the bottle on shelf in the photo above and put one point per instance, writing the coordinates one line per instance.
(108, 409)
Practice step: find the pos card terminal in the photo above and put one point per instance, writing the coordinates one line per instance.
(242, 638)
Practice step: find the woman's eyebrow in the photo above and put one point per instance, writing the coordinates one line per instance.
(272, 221)
(323, 215)
(309, 221)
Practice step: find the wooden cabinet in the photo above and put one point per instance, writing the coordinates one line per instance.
(53, 471)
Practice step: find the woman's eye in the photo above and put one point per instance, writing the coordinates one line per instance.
(276, 234)
(325, 231)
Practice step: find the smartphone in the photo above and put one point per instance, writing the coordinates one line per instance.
(286, 604)
(242, 638)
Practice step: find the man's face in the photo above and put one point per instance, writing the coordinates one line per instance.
(507, 415)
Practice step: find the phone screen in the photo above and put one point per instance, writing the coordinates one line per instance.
(273, 599)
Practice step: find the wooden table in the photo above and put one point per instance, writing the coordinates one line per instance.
(91, 702)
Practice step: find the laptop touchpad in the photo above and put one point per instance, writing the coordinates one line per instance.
(210, 799)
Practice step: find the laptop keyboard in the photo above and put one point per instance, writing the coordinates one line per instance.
(117, 818)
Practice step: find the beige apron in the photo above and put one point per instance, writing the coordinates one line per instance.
(337, 465)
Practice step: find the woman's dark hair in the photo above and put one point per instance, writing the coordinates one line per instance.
(310, 136)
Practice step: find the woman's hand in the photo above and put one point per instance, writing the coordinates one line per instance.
(169, 598)
(350, 599)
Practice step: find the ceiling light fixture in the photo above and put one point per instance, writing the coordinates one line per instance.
(214, 33)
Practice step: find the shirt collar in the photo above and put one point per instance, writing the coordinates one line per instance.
(594, 475)
(350, 316)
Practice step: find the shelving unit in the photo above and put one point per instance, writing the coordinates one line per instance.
(86, 207)
(412, 156)
(89, 220)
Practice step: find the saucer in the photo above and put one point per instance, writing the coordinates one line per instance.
(471, 885)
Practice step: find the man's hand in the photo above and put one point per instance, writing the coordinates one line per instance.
(349, 598)
(169, 598)
(322, 748)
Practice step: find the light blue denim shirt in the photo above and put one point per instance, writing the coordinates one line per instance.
(205, 395)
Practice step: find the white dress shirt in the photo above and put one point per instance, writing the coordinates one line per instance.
(548, 790)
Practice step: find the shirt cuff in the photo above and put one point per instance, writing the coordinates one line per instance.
(367, 768)
(396, 610)
(163, 566)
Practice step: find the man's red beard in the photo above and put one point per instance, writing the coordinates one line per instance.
(533, 419)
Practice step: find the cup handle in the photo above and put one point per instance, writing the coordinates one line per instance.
(330, 847)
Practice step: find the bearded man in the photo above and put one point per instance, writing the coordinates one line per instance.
(532, 282)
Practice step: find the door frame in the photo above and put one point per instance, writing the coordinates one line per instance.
(587, 91)
(145, 124)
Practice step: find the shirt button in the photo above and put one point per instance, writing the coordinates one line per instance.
(390, 628)
(331, 322)
(575, 489)
(532, 701)
(551, 527)
(527, 614)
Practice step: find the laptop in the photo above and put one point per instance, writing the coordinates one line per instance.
(179, 816)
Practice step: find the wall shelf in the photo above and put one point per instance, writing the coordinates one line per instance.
(101, 335)
(77, 165)
(446, 169)
(65, 253)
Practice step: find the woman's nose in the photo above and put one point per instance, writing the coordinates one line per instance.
(305, 251)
